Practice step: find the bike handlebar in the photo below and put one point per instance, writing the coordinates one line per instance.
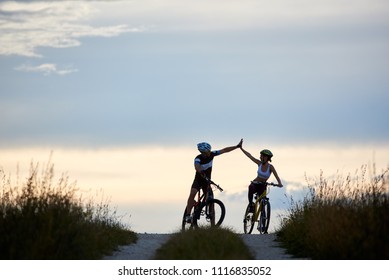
(213, 183)
(220, 189)
(216, 185)
(268, 184)
(273, 184)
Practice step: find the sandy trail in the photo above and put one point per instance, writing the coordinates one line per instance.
(263, 247)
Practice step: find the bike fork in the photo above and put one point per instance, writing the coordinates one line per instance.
(262, 215)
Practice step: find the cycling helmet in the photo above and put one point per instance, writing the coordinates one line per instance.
(204, 147)
(267, 153)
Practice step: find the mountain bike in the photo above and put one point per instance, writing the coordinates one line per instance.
(207, 211)
(261, 213)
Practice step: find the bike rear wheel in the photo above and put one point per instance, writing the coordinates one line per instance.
(186, 225)
(210, 214)
(248, 220)
(264, 216)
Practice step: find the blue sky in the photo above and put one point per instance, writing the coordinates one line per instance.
(108, 73)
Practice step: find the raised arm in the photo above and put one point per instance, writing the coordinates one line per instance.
(229, 149)
(276, 175)
(257, 161)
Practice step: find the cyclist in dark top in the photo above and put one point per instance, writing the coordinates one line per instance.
(203, 166)
(265, 169)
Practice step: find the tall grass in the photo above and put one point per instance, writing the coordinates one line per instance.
(40, 220)
(341, 218)
(204, 244)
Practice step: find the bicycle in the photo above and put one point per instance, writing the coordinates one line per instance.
(261, 213)
(207, 211)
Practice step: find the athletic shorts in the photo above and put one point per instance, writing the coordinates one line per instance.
(199, 184)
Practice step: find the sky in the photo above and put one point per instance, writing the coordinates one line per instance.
(122, 91)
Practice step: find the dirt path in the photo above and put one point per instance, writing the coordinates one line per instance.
(143, 249)
(264, 247)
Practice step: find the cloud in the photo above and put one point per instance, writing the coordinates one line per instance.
(28, 25)
(211, 15)
(25, 27)
(46, 69)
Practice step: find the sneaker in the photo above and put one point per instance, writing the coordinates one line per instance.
(188, 219)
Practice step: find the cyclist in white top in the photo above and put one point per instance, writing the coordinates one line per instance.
(265, 169)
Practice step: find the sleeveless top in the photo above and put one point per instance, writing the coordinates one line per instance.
(264, 175)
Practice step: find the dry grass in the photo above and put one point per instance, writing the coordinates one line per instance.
(342, 218)
(204, 244)
(40, 220)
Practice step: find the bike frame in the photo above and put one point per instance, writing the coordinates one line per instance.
(250, 218)
(201, 197)
(258, 203)
(203, 205)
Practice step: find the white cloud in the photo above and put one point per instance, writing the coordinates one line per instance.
(219, 15)
(24, 27)
(46, 69)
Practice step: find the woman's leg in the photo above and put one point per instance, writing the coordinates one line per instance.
(252, 190)
(255, 188)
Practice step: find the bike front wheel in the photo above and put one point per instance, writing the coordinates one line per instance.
(210, 214)
(264, 216)
(248, 220)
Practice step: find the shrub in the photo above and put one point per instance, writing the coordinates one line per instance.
(204, 244)
(340, 219)
(42, 221)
